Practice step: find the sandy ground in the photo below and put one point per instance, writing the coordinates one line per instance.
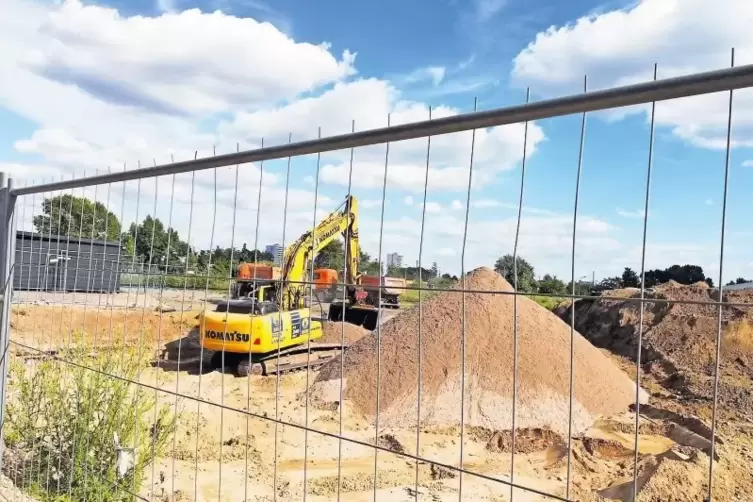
(134, 299)
(229, 448)
(131, 298)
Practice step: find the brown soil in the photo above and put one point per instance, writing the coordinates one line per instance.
(543, 365)
(213, 441)
(54, 327)
(526, 440)
(605, 448)
(333, 332)
(679, 339)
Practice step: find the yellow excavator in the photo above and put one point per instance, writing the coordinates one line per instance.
(266, 326)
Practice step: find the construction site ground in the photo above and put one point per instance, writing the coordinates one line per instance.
(223, 454)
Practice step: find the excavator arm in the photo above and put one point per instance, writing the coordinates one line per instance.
(299, 255)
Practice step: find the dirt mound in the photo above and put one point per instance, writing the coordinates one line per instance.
(526, 441)
(333, 332)
(543, 365)
(679, 338)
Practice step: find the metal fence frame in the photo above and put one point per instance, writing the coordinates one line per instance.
(658, 90)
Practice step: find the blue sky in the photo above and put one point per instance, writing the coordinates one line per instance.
(97, 84)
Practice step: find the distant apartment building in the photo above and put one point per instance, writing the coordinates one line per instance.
(276, 251)
(394, 260)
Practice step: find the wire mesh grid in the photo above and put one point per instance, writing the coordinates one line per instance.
(114, 388)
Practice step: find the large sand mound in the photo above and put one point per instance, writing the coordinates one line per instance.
(679, 337)
(337, 332)
(543, 366)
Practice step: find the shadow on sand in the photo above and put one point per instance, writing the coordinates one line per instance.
(186, 354)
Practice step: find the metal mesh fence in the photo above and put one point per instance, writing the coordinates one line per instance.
(114, 387)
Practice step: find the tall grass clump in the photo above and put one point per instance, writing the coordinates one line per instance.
(63, 416)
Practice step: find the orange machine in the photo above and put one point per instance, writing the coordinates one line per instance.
(325, 284)
(253, 277)
(251, 271)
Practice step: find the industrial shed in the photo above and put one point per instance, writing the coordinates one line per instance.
(62, 263)
(739, 286)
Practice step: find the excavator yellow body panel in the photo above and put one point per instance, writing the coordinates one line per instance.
(257, 334)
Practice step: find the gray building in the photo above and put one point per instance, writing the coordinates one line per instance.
(736, 287)
(394, 260)
(61, 263)
(277, 251)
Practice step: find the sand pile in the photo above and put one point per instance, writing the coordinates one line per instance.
(333, 332)
(543, 371)
(679, 339)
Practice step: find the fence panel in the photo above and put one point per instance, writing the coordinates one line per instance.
(468, 390)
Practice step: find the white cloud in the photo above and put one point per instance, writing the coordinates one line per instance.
(748, 163)
(708, 202)
(545, 240)
(486, 9)
(166, 5)
(190, 59)
(638, 213)
(408, 200)
(79, 130)
(368, 103)
(485, 203)
(432, 207)
(681, 36)
(434, 73)
(57, 60)
(28, 173)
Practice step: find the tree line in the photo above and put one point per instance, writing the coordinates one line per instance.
(150, 243)
(550, 284)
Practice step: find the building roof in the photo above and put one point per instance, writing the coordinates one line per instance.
(24, 235)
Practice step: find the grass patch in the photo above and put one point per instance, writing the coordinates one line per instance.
(211, 283)
(64, 415)
(548, 302)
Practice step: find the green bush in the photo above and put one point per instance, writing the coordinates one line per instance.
(548, 302)
(411, 296)
(199, 283)
(63, 417)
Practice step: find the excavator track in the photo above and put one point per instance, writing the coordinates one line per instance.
(285, 361)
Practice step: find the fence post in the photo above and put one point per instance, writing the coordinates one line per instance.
(7, 259)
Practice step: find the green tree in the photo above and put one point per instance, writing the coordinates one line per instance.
(77, 217)
(246, 255)
(551, 285)
(366, 265)
(684, 274)
(581, 288)
(630, 279)
(610, 283)
(526, 278)
(739, 280)
(331, 256)
(151, 241)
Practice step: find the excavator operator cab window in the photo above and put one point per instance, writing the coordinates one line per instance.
(317, 276)
(246, 306)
